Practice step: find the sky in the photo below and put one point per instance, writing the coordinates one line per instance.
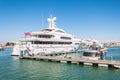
(86, 19)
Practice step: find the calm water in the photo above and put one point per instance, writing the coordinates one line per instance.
(12, 68)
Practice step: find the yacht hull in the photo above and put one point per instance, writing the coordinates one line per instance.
(44, 50)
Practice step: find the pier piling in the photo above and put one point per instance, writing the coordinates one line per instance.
(95, 64)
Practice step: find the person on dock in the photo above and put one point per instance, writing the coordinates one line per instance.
(103, 54)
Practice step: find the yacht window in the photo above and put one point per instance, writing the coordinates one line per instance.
(47, 30)
(60, 31)
(67, 38)
(49, 42)
(45, 36)
(76, 43)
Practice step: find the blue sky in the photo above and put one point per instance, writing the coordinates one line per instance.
(95, 19)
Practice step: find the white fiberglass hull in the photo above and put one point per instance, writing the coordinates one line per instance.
(45, 50)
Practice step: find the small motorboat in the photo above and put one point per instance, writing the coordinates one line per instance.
(1, 48)
(91, 54)
(95, 51)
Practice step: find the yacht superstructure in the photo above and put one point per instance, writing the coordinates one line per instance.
(47, 41)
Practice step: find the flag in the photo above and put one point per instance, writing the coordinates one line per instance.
(27, 34)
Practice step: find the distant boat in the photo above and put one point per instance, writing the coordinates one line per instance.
(1, 48)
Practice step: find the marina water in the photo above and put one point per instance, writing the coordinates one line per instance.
(12, 68)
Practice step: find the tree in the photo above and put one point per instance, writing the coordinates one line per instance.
(9, 44)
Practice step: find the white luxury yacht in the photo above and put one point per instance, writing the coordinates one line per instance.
(47, 41)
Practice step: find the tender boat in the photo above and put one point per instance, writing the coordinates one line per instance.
(95, 51)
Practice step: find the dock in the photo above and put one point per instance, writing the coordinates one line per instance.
(80, 61)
